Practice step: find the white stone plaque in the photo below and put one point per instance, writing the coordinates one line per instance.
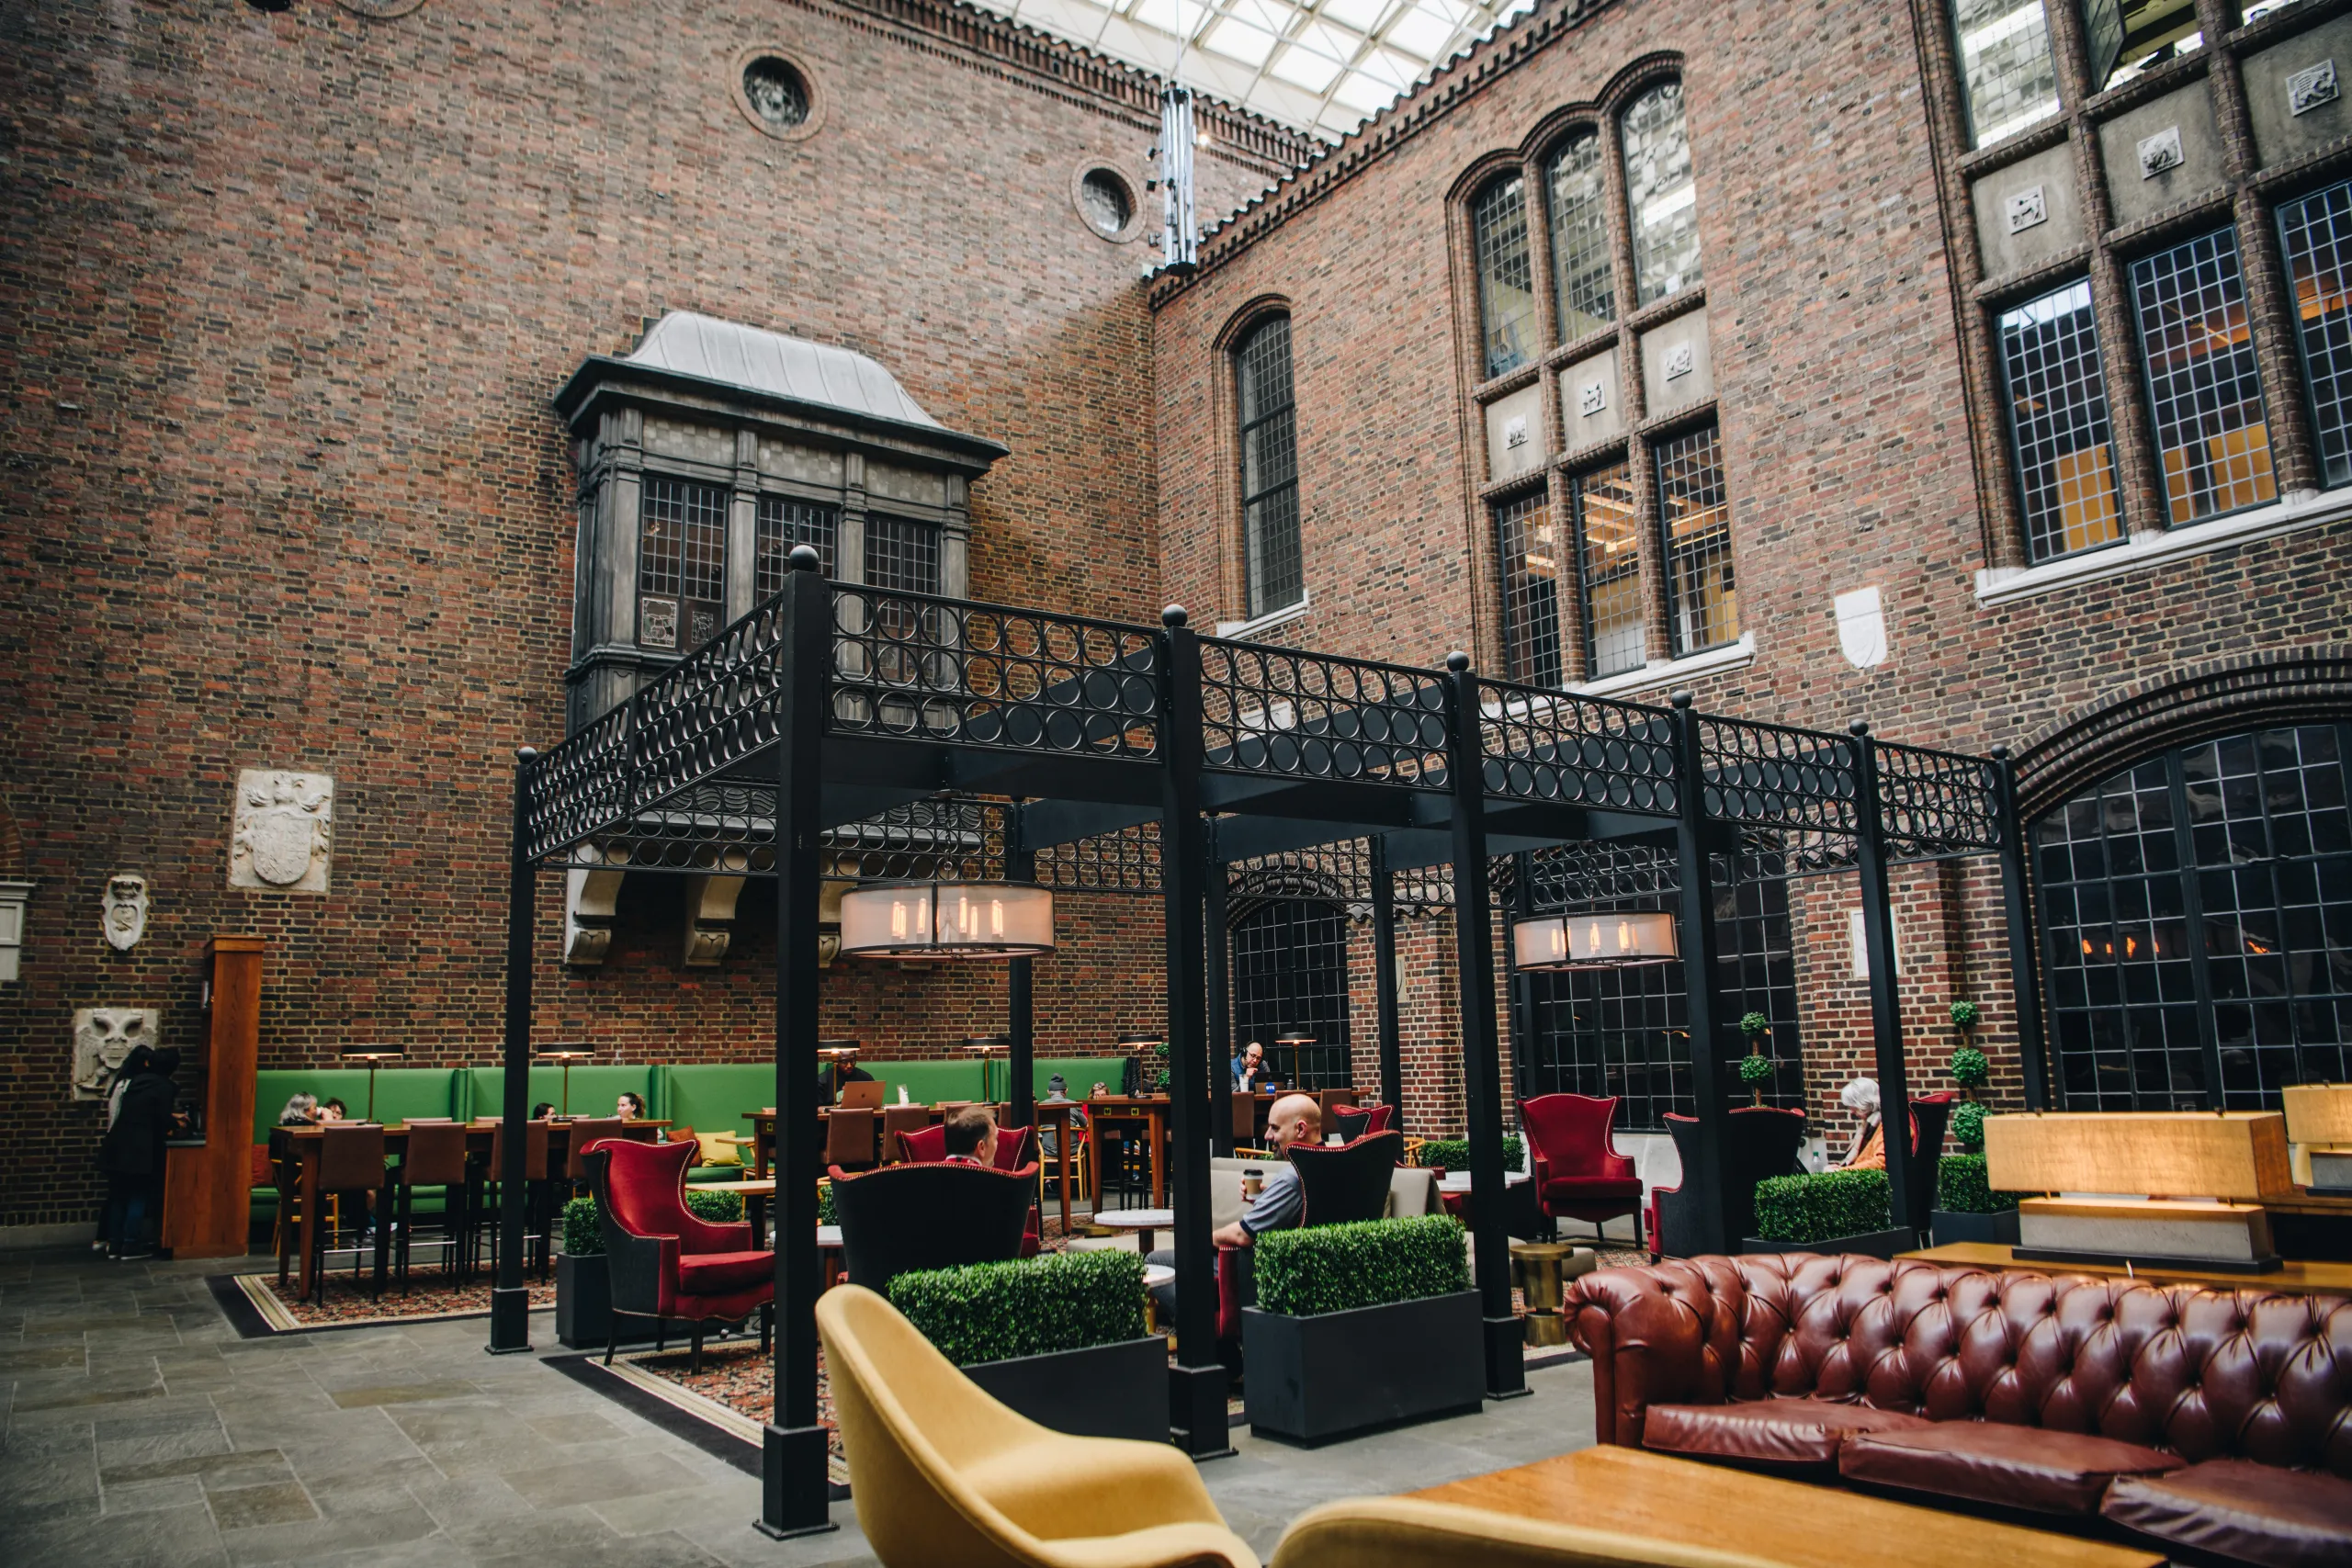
(2026, 208)
(2160, 152)
(284, 835)
(2310, 87)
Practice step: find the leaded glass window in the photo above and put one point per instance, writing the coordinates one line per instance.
(680, 563)
(785, 524)
(1506, 275)
(1662, 194)
(2196, 925)
(1531, 562)
(1576, 186)
(1612, 578)
(1694, 520)
(2316, 234)
(1271, 563)
(2058, 426)
(2005, 61)
(1290, 971)
(2206, 399)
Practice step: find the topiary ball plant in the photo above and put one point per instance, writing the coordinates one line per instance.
(1968, 1128)
(1756, 1072)
(1969, 1069)
(1964, 1015)
(1753, 1024)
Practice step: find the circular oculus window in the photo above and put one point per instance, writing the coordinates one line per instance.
(1106, 201)
(776, 93)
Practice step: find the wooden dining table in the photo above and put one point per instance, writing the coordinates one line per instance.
(1151, 1109)
(306, 1142)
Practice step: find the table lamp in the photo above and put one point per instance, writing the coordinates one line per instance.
(1291, 1038)
(374, 1056)
(985, 1048)
(566, 1055)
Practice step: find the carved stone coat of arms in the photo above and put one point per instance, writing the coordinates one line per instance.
(284, 835)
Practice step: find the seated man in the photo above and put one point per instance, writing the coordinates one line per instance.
(1249, 1067)
(972, 1136)
(837, 1072)
(1280, 1205)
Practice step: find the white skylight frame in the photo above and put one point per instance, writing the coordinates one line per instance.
(1321, 67)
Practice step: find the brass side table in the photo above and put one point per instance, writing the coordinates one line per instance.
(1541, 1270)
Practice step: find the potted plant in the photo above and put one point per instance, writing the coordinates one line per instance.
(1829, 1211)
(1361, 1326)
(1967, 1209)
(583, 1293)
(1756, 1067)
(1454, 1153)
(1968, 1066)
(1059, 1338)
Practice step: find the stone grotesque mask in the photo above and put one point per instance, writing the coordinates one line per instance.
(123, 916)
(103, 1039)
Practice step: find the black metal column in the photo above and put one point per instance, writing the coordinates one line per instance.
(1384, 981)
(1878, 944)
(509, 1299)
(1520, 1023)
(1219, 944)
(2025, 958)
(1474, 936)
(793, 1492)
(1019, 1001)
(1197, 1383)
(1701, 976)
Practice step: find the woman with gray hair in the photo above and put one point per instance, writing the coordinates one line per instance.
(1868, 1151)
(301, 1110)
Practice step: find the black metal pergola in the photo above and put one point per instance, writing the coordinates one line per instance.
(838, 724)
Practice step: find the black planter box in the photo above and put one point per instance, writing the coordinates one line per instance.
(583, 1305)
(1871, 1244)
(1103, 1390)
(1948, 1225)
(1313, 1380)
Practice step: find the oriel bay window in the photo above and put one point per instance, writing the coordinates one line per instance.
(681, 564)
(2204, 392)
(1530, 551)
(1694, 518)
(2058, 423)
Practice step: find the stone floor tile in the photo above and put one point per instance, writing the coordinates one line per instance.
(401, 1393)
(167, 1537)
(557, 1485)
(275, 1503)
(309, 1540)
(669, 1549)
(43, 1356)
(249, 1467)
(146, 1496)
(151, 1447)
(580, 1427)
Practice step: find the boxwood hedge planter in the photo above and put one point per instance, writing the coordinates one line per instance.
(1314, 1379)
(583, 1305)
(1950, 1226)
(1869, 1244)
(1103, 1391)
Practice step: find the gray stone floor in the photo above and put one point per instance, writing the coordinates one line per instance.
(141, 1429)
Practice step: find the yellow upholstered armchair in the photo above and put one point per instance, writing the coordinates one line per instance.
(1405, 1532)
(941, 1473)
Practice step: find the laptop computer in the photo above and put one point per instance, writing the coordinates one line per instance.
(862, 1094)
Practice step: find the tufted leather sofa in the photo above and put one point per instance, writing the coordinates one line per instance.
(2216, 1422)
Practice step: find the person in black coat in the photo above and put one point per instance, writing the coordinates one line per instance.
(132, 1155)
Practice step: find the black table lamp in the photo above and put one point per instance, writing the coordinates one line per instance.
(565, 1056)
(375, 1056)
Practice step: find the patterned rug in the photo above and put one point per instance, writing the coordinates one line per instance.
(349, 1303)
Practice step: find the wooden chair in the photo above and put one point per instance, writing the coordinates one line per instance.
(849, 1139)
(436, 1157)
(351, 1162)
(898, 1118)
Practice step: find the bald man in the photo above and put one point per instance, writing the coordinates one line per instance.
(1281, 1204)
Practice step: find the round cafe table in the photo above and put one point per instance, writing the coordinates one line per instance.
(1143, 1222)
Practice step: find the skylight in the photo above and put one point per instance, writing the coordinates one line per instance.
(1323, 67)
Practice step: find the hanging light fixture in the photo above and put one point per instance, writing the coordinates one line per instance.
(948, 920)
(1593, 942)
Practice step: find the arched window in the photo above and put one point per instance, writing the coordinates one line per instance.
(1660, 192)
(1506, 275)
(2196, 925)
(1576, 186)
(1290, 971)
(1269, 437)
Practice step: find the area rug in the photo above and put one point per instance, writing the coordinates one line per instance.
(258, 1306)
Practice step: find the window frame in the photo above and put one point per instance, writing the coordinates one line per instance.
(1487, 290)
(2157, 419)
(683, 640)
(1663, 526)
(1529, 636)
(2010, 429)
(2300, 332)
(1589, 621)
(1257, 594)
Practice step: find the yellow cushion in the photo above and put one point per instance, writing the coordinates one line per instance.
(715, 1152)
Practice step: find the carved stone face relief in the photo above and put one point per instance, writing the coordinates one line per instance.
(284, 837)
(102, 1040)
(123, 917)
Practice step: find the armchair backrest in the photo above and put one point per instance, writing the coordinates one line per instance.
(924, 1145)
(927, 1215)
(641, 1192)
(1350, 1182)
(1930, 1114)
(1573, 1134)
(1015, 1147)
(1351, 1123)
(1760, 1142)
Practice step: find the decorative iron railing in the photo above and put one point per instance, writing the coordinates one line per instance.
(1932, 804)
(1123, 862)
(1773, 775)
(1551, 746)
(1309, 716)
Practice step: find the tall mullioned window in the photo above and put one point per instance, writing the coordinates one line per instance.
(1271, 563)
(681, 564)
(1694, 520)
(1506, 275)
(785, 524)
(2058, 425)
(2006, 63)
(1661, 193)
(2316, 234)
(1609, 551)
(1530, 549)
(1577, 187)
(2203, 392)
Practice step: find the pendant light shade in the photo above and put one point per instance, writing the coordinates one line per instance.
(948, 920)
(1593, 942)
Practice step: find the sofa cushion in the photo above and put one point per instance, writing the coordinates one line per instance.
(1992, 1462)
(1782, 1434)
(2235, 1507)
(723, 1273)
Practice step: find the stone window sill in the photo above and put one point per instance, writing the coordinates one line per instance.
(1245, 630)
(1671, 671)
(2305, 509)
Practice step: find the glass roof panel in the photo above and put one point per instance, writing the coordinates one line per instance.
(1280, 58)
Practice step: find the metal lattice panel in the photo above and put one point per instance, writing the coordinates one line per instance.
(2316, 234)
(2204, 393)
(1694, 520)
(1506, 275)
(1767, 773)
(1932, 804)
(712, 709)
(1530, 549)
(1576, 186)
(1575, 750)
(579, 786)
(2058, 428)
(1279, 711)
(1124, 861)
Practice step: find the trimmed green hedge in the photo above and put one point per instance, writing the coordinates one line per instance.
(994, 1311)
(1454, 1153)
(1305, 1274)
(1962, 1188)
(582, 1236)
(1824, 1204)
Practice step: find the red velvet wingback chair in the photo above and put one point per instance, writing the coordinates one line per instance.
(1352, 1124)
(1578, 1173)
(927, 1145)
(1350, 1182)
(664, 1261)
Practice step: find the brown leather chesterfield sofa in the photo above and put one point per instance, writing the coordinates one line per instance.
(2216, 1423)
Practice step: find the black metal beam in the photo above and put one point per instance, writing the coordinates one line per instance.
(1051, 822)
(1364, 806)
(1695, 928)
(1886, 1000)
(509, 1299)
(794, 1485)
(1384, 982)
(1020, 995)
(2025, 957)
(1219, 943)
